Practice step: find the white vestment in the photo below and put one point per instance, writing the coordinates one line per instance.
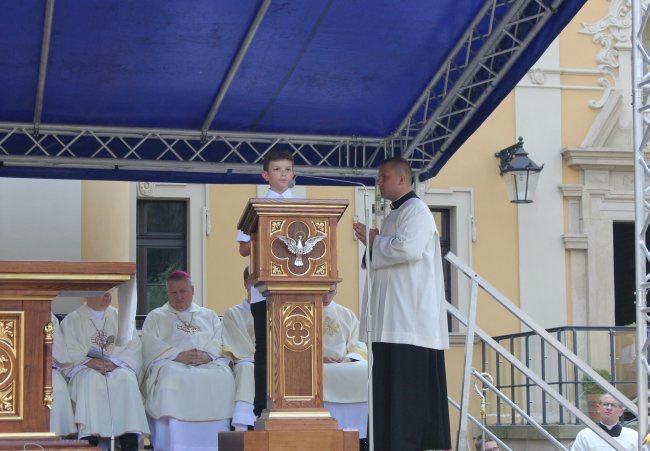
(345, 384)
(177, 393)
(588, 440)
(87, 334)
(239, 346)
(408, 294)
(61, 415)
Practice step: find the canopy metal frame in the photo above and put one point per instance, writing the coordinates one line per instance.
(491, 44)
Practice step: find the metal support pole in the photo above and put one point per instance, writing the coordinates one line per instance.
(638, 75)
(234, 67)
(42, 66)
(461, 441)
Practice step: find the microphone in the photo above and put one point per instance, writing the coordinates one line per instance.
(368, 213)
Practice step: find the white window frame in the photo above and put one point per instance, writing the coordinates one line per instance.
(198, 225)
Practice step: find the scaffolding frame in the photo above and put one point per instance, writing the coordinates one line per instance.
(641, 132)
(494, 40)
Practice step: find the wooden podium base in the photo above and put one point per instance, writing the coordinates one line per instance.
(291, 434)
(289, 440)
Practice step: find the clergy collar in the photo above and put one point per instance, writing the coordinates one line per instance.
(398, 203)
(331, 304)
(613, 430)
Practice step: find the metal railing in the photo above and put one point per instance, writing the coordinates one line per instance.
(522, 369)
(611, 349)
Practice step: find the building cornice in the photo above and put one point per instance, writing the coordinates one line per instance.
(571, 191)
(575, 241)
(599, 158)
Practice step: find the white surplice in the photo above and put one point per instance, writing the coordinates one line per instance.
(408, 293)
(588, 440)
(88, 332)
(239, 346)
(61, 416)
(177, 393)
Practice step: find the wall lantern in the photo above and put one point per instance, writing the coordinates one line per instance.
(520, 173)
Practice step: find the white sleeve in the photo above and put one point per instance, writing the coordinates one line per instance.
(242, 237)
(415, 229)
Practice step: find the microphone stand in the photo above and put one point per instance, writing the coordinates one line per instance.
(367, 211)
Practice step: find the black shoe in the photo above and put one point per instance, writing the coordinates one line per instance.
(92, 440)
(129, 442)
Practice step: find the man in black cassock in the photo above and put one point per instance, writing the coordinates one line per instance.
(409, 320)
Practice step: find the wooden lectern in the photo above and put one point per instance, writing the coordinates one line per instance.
(294, 264)
(26, 291)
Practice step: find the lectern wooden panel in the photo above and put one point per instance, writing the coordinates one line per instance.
(294, 264)
(26, 291)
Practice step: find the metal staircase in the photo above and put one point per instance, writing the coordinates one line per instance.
(524, 370)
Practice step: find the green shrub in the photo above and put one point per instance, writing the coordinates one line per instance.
(589, 387)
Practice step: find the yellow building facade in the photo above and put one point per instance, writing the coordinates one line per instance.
(554, 258)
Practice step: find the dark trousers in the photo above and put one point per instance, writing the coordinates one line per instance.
(410, 398)
(258, 310)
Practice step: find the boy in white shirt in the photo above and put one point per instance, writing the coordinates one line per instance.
(278, 172)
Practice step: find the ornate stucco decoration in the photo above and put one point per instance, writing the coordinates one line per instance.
(537, 76)
(612, 33)
(146, 189)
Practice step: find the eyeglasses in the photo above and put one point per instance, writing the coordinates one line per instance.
(610, 405)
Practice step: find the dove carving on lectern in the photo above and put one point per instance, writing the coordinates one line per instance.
(298, 248)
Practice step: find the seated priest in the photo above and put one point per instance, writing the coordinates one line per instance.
(103, 383)
(239, 346)
(189, 387)
(61, 416)
(345, 375)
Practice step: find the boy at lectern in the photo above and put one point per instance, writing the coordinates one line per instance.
(278, 172)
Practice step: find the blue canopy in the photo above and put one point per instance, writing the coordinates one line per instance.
(199, 90)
